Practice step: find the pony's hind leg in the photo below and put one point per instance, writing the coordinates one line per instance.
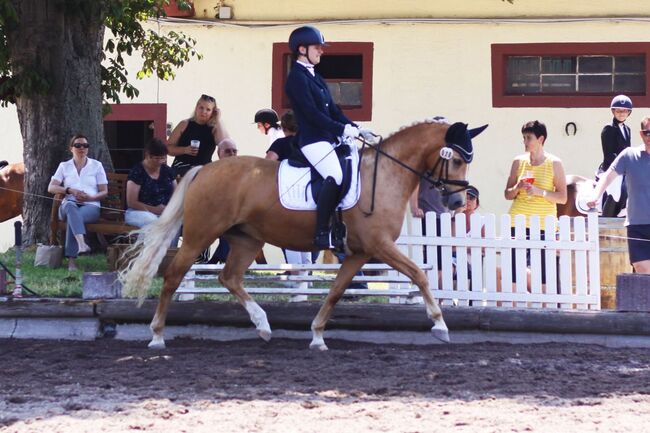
(243, 250)
(173, 277)
(393, 257)
(349, 268)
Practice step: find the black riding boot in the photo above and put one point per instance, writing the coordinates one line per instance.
(327, 200)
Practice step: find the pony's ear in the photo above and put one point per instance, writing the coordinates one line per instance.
(476, 131)
(458, 139)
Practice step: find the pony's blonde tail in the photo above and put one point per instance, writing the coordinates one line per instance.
(153, 239)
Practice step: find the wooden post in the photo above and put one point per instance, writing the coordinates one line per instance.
(3, 281)
(633, 292)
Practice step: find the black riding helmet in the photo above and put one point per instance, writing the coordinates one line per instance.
(267, 115)
(305, 36)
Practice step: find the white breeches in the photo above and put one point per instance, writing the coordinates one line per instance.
(323, 157)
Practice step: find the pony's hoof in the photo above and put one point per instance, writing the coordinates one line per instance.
(440, 334)
(157, 342)
(265, 334)
(321, 347)
(156, 345)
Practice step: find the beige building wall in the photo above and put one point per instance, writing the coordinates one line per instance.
(421, 68)
(278, 10)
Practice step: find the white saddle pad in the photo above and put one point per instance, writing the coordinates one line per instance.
(295, 188)
(584, 193)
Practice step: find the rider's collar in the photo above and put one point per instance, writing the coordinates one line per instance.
(309, 67)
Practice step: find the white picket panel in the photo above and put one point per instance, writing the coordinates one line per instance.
(477, 264)
(571, 262)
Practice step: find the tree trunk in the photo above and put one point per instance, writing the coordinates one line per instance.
(64, 44)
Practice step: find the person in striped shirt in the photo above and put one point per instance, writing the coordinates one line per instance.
(536, 183)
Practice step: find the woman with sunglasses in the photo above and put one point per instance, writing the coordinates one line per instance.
(83, 181)
(194, 140)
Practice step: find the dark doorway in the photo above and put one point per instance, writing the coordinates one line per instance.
(128, 127)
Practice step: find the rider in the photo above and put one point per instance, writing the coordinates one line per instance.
(614, 138)
(321, 124)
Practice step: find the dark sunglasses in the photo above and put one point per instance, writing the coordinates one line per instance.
(645, 132)
(81, 145)
(207, 98)
(230, 151)
(471, 196)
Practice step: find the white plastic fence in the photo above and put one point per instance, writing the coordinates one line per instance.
(476, 265)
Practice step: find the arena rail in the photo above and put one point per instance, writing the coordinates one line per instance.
(477, 265)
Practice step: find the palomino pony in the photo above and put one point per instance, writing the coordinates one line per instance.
(238, 198)
(11, 189)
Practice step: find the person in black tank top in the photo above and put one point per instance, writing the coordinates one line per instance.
(204, 126)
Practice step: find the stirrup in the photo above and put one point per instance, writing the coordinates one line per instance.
(339, 236)
(323, 240)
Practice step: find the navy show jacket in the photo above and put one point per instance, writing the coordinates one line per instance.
(317, 115)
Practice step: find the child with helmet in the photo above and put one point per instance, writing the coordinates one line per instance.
(615, 137)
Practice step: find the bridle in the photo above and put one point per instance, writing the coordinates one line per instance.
(437, 176)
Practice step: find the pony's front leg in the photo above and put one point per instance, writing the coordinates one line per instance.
(392, 256)
(173, 276)
(158, 323)
(349, 268)
(243, 250)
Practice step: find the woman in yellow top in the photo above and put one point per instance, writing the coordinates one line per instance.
(537, 182)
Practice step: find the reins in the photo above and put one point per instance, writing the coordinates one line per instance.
(440, 182)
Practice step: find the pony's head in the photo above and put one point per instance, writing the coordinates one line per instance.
(450, 169)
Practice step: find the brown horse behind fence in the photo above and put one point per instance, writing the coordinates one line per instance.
(238, 198)
(12, 177)
(573, 184)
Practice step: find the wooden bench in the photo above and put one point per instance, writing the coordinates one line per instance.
(111, 219)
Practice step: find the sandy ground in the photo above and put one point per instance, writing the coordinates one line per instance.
(281, 386)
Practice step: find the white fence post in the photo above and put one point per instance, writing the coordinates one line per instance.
(565, 260)
(580, 259)
(594, 259)
(550, 255)
(492, 280)
(535, 261)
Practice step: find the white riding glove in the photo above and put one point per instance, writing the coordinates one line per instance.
(368, 135)
(350, 131)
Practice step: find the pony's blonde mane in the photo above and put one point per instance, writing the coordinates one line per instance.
(428, 120)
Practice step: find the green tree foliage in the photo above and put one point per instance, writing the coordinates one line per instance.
(162, 53)
(60, 62)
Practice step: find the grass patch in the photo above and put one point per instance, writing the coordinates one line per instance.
(61, 283)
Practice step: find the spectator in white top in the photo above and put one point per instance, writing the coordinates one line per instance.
(83, 181)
